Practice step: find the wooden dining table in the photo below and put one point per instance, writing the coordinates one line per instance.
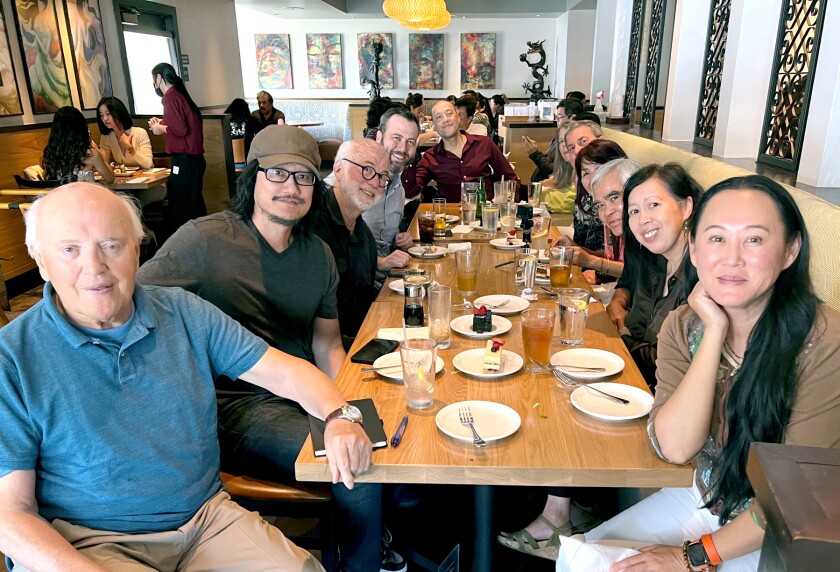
(140, 180)
(556, 445)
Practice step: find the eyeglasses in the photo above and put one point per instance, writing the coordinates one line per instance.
(369, 173)
(278, 175)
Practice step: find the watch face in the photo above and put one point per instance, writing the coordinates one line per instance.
(697, 554)
(352, 413)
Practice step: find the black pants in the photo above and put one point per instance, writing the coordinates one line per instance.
(185, 190)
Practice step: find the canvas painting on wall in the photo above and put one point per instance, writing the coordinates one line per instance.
(425, 61)
(40, 43)
(386, 61)
(323, 56)
(274, 61)
(84, 21)
(9, 94)
(478, 61)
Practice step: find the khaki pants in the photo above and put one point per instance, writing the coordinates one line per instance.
(221, 536)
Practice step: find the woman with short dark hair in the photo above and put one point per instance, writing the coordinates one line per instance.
(120, 141)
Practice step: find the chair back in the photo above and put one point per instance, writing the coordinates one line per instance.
(24, 183)
(238, 150)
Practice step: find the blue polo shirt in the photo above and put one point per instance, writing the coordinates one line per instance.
(121, 437)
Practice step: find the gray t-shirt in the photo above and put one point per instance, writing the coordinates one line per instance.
(226, 261)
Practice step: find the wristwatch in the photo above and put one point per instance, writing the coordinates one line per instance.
(349, 412)
(696, 555)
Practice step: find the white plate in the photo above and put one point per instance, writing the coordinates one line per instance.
(515, 305)
(492, 421)
(463, 325)
(595, 404)
(588, 357)
(428, 251)
(398, 286)
(451, 218)
(393, 359)
(471, 362)
(503, 243)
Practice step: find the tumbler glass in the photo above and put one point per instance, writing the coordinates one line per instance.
(418, 357)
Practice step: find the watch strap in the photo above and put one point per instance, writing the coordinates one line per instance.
(711, 550)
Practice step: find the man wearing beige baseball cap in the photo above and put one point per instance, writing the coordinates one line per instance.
(263, 266)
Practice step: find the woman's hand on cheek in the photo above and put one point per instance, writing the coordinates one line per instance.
(707, 310)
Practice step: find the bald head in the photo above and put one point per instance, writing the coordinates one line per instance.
(445, 119)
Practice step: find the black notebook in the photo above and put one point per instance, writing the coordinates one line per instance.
(372, 425)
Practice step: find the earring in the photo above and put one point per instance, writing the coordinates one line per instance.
(685, 226)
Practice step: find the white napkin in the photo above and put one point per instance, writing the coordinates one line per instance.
(455, 246)
(138, 180)
(461, 229)
(576, 555)
(396, 334)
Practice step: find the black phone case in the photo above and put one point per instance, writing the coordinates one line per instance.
(374, 349)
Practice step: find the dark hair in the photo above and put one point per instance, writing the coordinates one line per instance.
(238, 109)
(759, 403)
(499, 100)
(167, 72)
(681, 186)
(587, 116)
(118, 113)
(482, 102)
(468, 103)
(451, 98)
(400, 111)
(579, 95)
(67, 146)
(471, 92)
(242, 202)
(414, 99)
(571, 106)
(598, 151)
(377, 107)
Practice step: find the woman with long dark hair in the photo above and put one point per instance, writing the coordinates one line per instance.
(184, 132)
(752, 357)
(70, 149)
(414, 101)
(120, 141)
(242, 124)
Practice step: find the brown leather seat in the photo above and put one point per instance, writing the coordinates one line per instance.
(327, 148)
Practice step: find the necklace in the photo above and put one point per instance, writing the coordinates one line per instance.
(730, 350)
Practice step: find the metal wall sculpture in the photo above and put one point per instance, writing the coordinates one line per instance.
(634, 57)
(367, 54)
(707, 108)
(654, 61)
(791, 80)
(538, 69)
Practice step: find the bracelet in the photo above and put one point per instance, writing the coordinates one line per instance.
(608, 267)
(711, 551)
(685, 556)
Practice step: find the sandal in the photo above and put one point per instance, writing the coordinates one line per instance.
(524, 542)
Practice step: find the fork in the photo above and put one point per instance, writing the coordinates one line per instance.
(469, 305)
(466, 418)
(568, 382)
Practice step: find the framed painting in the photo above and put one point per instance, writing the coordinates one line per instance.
(46, 75)
(323, 56)
(386, 60)
(9, 93)
(84, 22)
(274, 61)
(478, 61)
(425, 61)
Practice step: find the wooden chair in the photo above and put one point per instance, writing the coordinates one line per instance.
(299, 501)
(24, 183)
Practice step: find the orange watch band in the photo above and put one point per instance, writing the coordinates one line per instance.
(711, 551)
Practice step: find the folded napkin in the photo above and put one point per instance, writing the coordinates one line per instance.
(455, 246)
(396, 334)
(461, 229)
(576, 555)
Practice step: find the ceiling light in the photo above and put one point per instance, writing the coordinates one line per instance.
(413, 10)
(434, 23)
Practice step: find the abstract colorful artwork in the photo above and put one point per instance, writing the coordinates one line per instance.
(9, 94)
(84, 21)
(274, 61)
(40, 43)
(478, 61)
(425, 61)
(386, 62)
(323, 56)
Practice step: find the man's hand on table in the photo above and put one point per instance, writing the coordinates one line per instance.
(397, 259)
(403, 241)
(348, 450)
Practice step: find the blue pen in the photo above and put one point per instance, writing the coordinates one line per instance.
(395, 440)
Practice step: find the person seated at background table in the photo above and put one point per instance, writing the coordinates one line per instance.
(753, 356)
(242, 124)
(559, 189)
(361, 176)
(377, 107)
(70, 149)
(566, 111)
(262, 265)
(495, 109)
(460, 157)
(120, 140)
(414, 101)
(480, 116)
(109, 457)
(465, 107)
(266, 114)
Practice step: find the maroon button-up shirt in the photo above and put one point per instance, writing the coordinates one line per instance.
(184, 129)
(479, 158)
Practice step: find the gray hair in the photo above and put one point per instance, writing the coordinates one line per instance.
(624, 169)
(352, 147)
(594, 127)
(32, 216)
(265, 93)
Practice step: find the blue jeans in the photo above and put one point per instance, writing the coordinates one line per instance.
(261, 435)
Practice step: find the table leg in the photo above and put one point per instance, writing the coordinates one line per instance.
(482, 558)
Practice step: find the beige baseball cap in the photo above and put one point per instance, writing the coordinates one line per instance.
(278, 144)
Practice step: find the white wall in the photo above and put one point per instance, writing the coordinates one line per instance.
(511, 36)
(580, 45)
(602, 58)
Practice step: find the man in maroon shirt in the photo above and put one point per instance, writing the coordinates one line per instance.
(460, 157)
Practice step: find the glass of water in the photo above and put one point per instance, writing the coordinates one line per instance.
(418, 357)
(574, 310)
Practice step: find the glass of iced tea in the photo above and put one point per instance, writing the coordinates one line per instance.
(426, 224)
(466, 262)
(537, 329)
(560, 266)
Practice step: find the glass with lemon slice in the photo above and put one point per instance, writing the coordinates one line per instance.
(418, 357)
(574, 310)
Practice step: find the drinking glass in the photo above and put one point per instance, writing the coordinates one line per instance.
(537, 329)
(525, 260)
(534, 192)
(507, 217)
(466, 262)
(490, 218)
(419, 277)
(560, 266)
(574, 310)
(418, 356)
(469, 204)
(439, 209)
(539, 233)
(440, 306)
(504, 191)
(426, 224)
(85, 176)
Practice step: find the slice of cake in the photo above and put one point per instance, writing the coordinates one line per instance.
(493, 355)
(482, 320)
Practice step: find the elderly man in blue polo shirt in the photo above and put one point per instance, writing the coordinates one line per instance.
(109, 458)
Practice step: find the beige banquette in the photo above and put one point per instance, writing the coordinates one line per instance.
(822, 218)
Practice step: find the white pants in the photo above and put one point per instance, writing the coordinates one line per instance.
(670, 517)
